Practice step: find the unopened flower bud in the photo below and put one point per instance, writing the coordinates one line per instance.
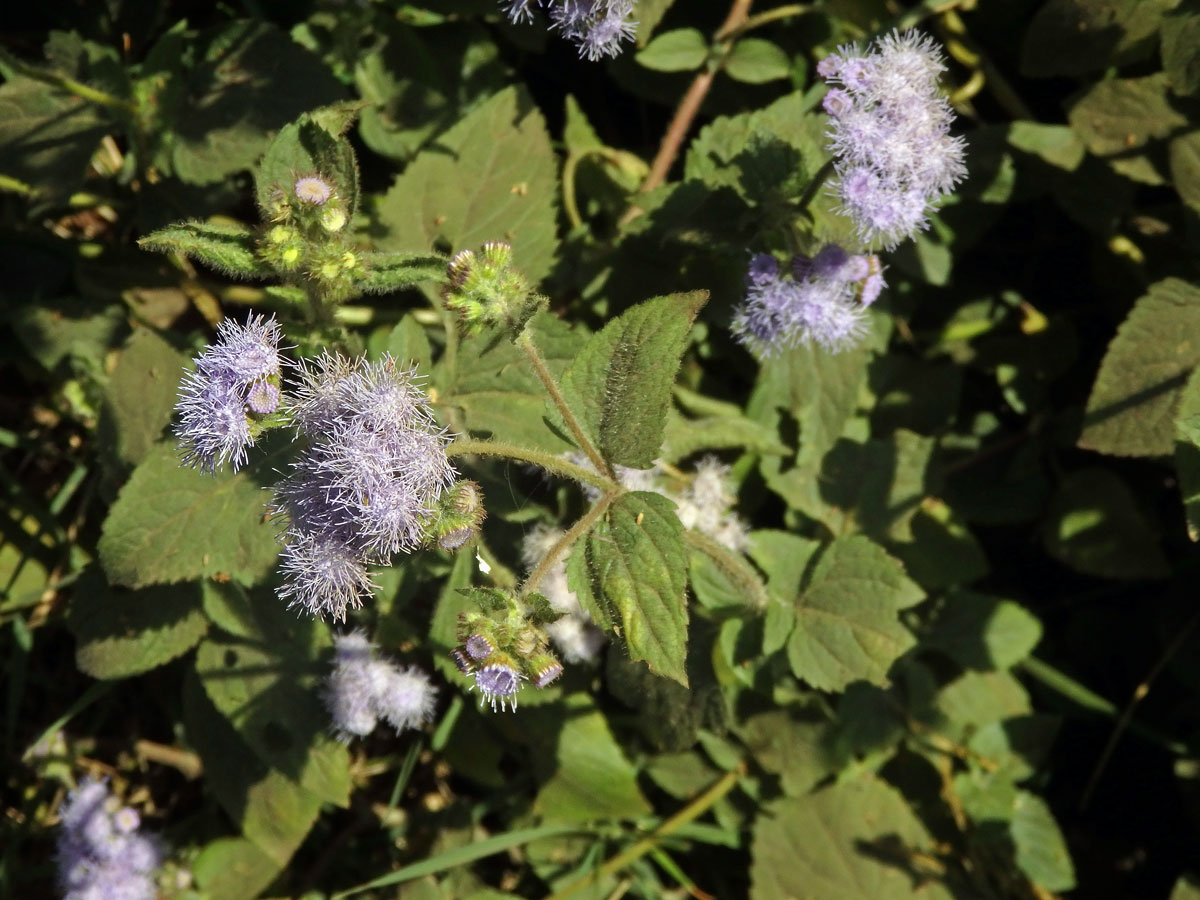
(545, 669)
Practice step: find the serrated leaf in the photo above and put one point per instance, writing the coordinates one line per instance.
(982, 632)
(1120, 114)
(228, 248)
(266, 693)
(1041, 850)
(141, 393)
(1093, 525)
(1131, 410)
(490, 177)
(497, 390)
(1071, 37)
(1181, 51)
(846, 616)
(636, 565)
(233, 868)
(47, 136)
(172, 523)
(590, 777)
(383, 272)
(784, 558)
(798, 752)
(976, 699)
(841, 842)
(756, 61)
(314, 143)
(120, 633)
(681, 50)
(619, 385)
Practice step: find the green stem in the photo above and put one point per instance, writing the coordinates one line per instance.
(570, 207)
(733, 565)
(70, 85)
(563, 544)
(771, 15)
(692, 811)
(548, 461)
(525, 342)
(819, 179)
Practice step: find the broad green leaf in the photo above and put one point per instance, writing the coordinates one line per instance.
(1016, 746)
(1187, 452)
(53, 332)
(1056, 144)
(796, 751)
(846, 616)
(619, 385)
(443, 625)
(681, 50)
(409, 344)
(249, 81)
(141, 393)
(120, 633)
(943, 552)
(1184, 155)
(1071, 37)
(591, 778)
(1042, 852)
(669, 715)
(975, 699)
(1094, 525)
(635, 566)
(784, 558)
(490, 177)
(683, 436)
(171, 523)
(268, 696)
(228, 248)
(384, 272)
(233, 868)
(1131, 410)
(756, 61)
(982, 632)
(497, 390)
(1181, 51)
(841, 841)
(1120, 114)
(313, 144)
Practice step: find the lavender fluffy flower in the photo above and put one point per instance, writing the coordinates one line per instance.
(889, 130)
(101, 855)
(366, 485)
(596, 27)
(235, 381)
(822, 303)
(363, 689)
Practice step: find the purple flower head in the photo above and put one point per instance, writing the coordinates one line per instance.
(462, 661)
(763, 268)
(478, 647)
(546, 671)
(596, 27)
(323, 574)
(228, 386)
(889, 131)
(312, 191)
(362, 689)
(407, 699)
(498, 681)
(100, 853)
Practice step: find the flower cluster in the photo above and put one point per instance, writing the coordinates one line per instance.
(101, 855)
(362, 689)
(823, 301)
(574, 635)
(484, 289)
(596, 27)
(366, 485)
(889, 129)
(501, 653)
(706, 505)
(234, 386)
(307, 236)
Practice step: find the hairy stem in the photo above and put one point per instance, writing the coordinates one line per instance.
(548, 461)
(564, 543)
(689, 813)
(525, 342)
(734, 565)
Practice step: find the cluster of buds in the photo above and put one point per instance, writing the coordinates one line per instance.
(458, 515)
(507, 646)
(306, 235)
(484, 289)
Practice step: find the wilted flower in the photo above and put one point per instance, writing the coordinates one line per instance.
(362, 689)
(889, 130)
(100, 852)
(235, 380)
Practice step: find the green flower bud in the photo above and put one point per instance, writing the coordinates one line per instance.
(484, 289)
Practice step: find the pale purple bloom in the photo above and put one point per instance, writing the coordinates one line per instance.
(478, 647)
(819, 304)
(498, 681)
(889, 130)
(596, 27)
(101, 855)
(230, 384)
(312, 190)
(363, 689)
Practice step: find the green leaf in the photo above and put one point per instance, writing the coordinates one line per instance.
(408, 343)
(120, 633)
(943, 552)
(1042, 852)
(141, 393)
(619, 385)
(233, 868)
(171, 523)
(1181, 51)
(496, 389)
(976, 699)
(1055, 144)
(228, 248)
(683, 436)
(589, 777)
(267, 693)
(1187, 452)
(1071, 37)
(1186, 888)
(1183, 153)
(384, 272)
(1131, 410)
(490, 177)
(634, 563)
(681, 50)
(1094, 525)
(982, 632)
(846, 616)
(796, 751)
(314, 143)
(841, 841)
(1120, 114)
(756, 61)
(784, 558)
(669, 715)
(1017, 746)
